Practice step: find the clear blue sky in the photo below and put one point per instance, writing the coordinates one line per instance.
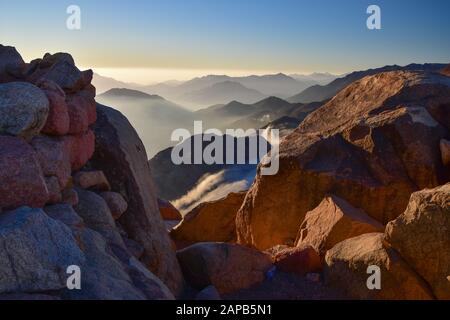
(282, 35)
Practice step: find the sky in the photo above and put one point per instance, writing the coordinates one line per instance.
(156, 40)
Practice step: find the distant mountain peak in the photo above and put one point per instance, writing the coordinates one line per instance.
(123, 92)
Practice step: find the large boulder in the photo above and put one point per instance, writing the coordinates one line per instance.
(97, 216)
(121, 155)
(333, 221)
(10, 60)
(302, 260)
(22, 181)
(53, 157)
(228, 267)
(23, 109)
(93, 179)
(58, 120)
(36, 251)
(347, 267)
(168, 211)
(210, 221)
(80, 148)
(373, 144)
(116, 203)
(422, 237)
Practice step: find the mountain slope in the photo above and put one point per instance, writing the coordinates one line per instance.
(320, 93)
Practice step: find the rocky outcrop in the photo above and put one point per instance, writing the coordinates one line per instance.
(446, 71)
(211, 221)
(10, 63)
(333, 221)
(347, 267)
(121, 155)
(373, 144)
(422, 237)
(228, 267)
(36, 251)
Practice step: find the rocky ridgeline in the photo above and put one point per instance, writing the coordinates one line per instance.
(363, 181)
(75, 190)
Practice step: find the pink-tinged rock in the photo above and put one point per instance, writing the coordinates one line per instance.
(53, 157)
(83, 101)
(95, 180)
(80, 148)
(301, 260)
(116, 203)
(22, 181)
(78, 116)
(58, 117)
(54, 190)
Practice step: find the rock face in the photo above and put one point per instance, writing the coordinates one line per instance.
(58, 120)
(445, 152)
(373, 144)
(168, 211)
(228, 267)
(347, 268)
(333, 221)
(301, 260)
(422, 237)
(23, 109)
(22, 181)
(211, 221)
(121, 155)
(116, 203)
(36, 251)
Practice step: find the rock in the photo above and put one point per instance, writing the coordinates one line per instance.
(10, 59)
(228, 267)
(23, 109)
(80, 148)
(95, 213)
(50, 59)
(65, 214)
(446, 71)
(347, 268)
(134, 247)
(168, 211)
(211, 221)
(209, 293)
(36, 250)
(333, 221)
(445, 151)
(58, 120)
(103, 276)
(116, 203)
(27, 297)
(69, 196)
(121, 155)
(95, 180)
(53, 157)
(67, 76)
(82, 112)
(422, 237)
(373, 144)
(22, 181)
(54, 190)
(301, 260)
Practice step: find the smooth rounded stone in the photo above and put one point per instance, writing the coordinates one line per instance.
(9, 59)
(209, 293)
(229, 267)
(22, 180)
(97, 216)
(82, 112)
(58, 120)
(80, 148)
(67, 76)
(422, 237)
(53, 157)
(116, 203)
(23, 109)
(95, 180)
(36, 251)
(348, 263)
(65, 214)
(50, 59)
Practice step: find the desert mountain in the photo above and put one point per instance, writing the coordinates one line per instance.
(103, 84)
(324, 92)
(315, 78)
